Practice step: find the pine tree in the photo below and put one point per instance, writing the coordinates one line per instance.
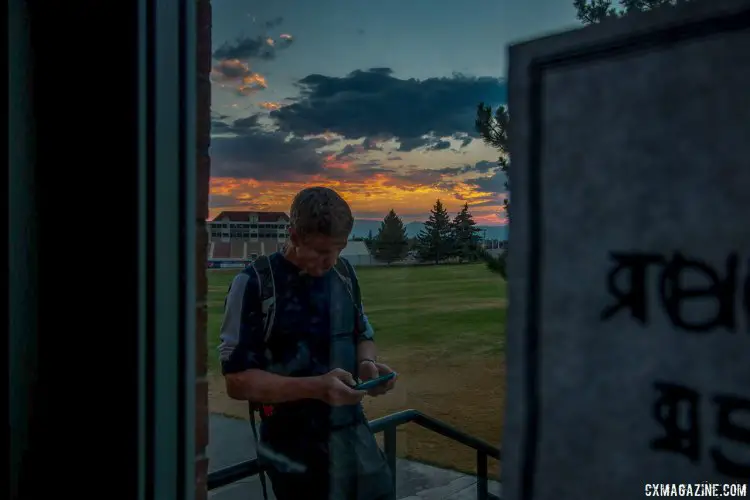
(465, 235)
(435, 241)
(391, 243)
(369, 240)
(413, 243)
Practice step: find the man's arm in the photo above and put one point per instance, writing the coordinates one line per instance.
(260, 386)
(367, 351)
(243, 352)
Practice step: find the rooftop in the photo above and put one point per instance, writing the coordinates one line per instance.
(241, 216)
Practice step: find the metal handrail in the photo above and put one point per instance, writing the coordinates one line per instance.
(386, 425)
(435, 425)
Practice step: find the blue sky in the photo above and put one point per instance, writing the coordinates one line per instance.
(374, 99)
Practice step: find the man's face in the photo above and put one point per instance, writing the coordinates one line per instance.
(317, 254)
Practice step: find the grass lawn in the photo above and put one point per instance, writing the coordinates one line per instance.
(443, 329)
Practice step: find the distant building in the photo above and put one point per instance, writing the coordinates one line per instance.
(236, 235)
(495, 244)
(357, 253)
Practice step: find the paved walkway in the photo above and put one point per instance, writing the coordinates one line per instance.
(231, 441)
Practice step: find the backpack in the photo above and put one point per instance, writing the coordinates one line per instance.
(267, 295)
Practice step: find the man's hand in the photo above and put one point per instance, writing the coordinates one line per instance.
(369, 370)
(336, 388)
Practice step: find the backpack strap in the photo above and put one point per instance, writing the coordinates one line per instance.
(261, 473)
(266, 292)
(267, 296)
(342, 270)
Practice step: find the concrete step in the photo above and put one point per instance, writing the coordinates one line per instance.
(414, 481)
(231, 441)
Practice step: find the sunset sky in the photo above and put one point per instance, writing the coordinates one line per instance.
(373, 99)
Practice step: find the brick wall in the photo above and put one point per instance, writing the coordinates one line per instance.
(204, 171)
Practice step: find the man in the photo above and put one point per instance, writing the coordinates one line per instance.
(314, 439)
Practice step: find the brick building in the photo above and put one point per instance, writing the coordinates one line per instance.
(246, 235)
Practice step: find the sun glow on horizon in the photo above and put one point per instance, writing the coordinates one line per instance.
(369, 197)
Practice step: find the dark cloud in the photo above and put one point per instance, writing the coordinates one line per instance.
(245, 48)
(248, 149)
(407, 144)
(379, 71)
(485, 166)
(369, 144)
(351, 150)
(439, 145)
(373, 102)
(250, 122)
(218, 126)
(264, 155)
(480, 167)
(428, 143)
(248, 48)
(494, 184)
(346, 152)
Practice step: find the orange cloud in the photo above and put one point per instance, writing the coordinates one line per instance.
(252, 83)
(492, 219)
(374, 195)
(269, 105)
(330, 162)
(239, 75)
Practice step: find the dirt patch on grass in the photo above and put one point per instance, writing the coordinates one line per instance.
(475, 304)
(428, 307)
(466, 392)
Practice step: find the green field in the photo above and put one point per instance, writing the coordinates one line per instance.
(443, 329)
(451, 307)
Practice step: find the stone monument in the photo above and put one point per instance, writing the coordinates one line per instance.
(628, 343)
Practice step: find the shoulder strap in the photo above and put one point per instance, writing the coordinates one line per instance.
(261, 473)
(267, 295)
(266, 291)
(342, 269)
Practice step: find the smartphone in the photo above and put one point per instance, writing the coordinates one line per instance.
(366, 386)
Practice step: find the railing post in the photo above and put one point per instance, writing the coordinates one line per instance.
(389, 438)
(481, 475)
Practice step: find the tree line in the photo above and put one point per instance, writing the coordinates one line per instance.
(442, 238)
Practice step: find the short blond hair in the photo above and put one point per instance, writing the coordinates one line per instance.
(320, 211)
